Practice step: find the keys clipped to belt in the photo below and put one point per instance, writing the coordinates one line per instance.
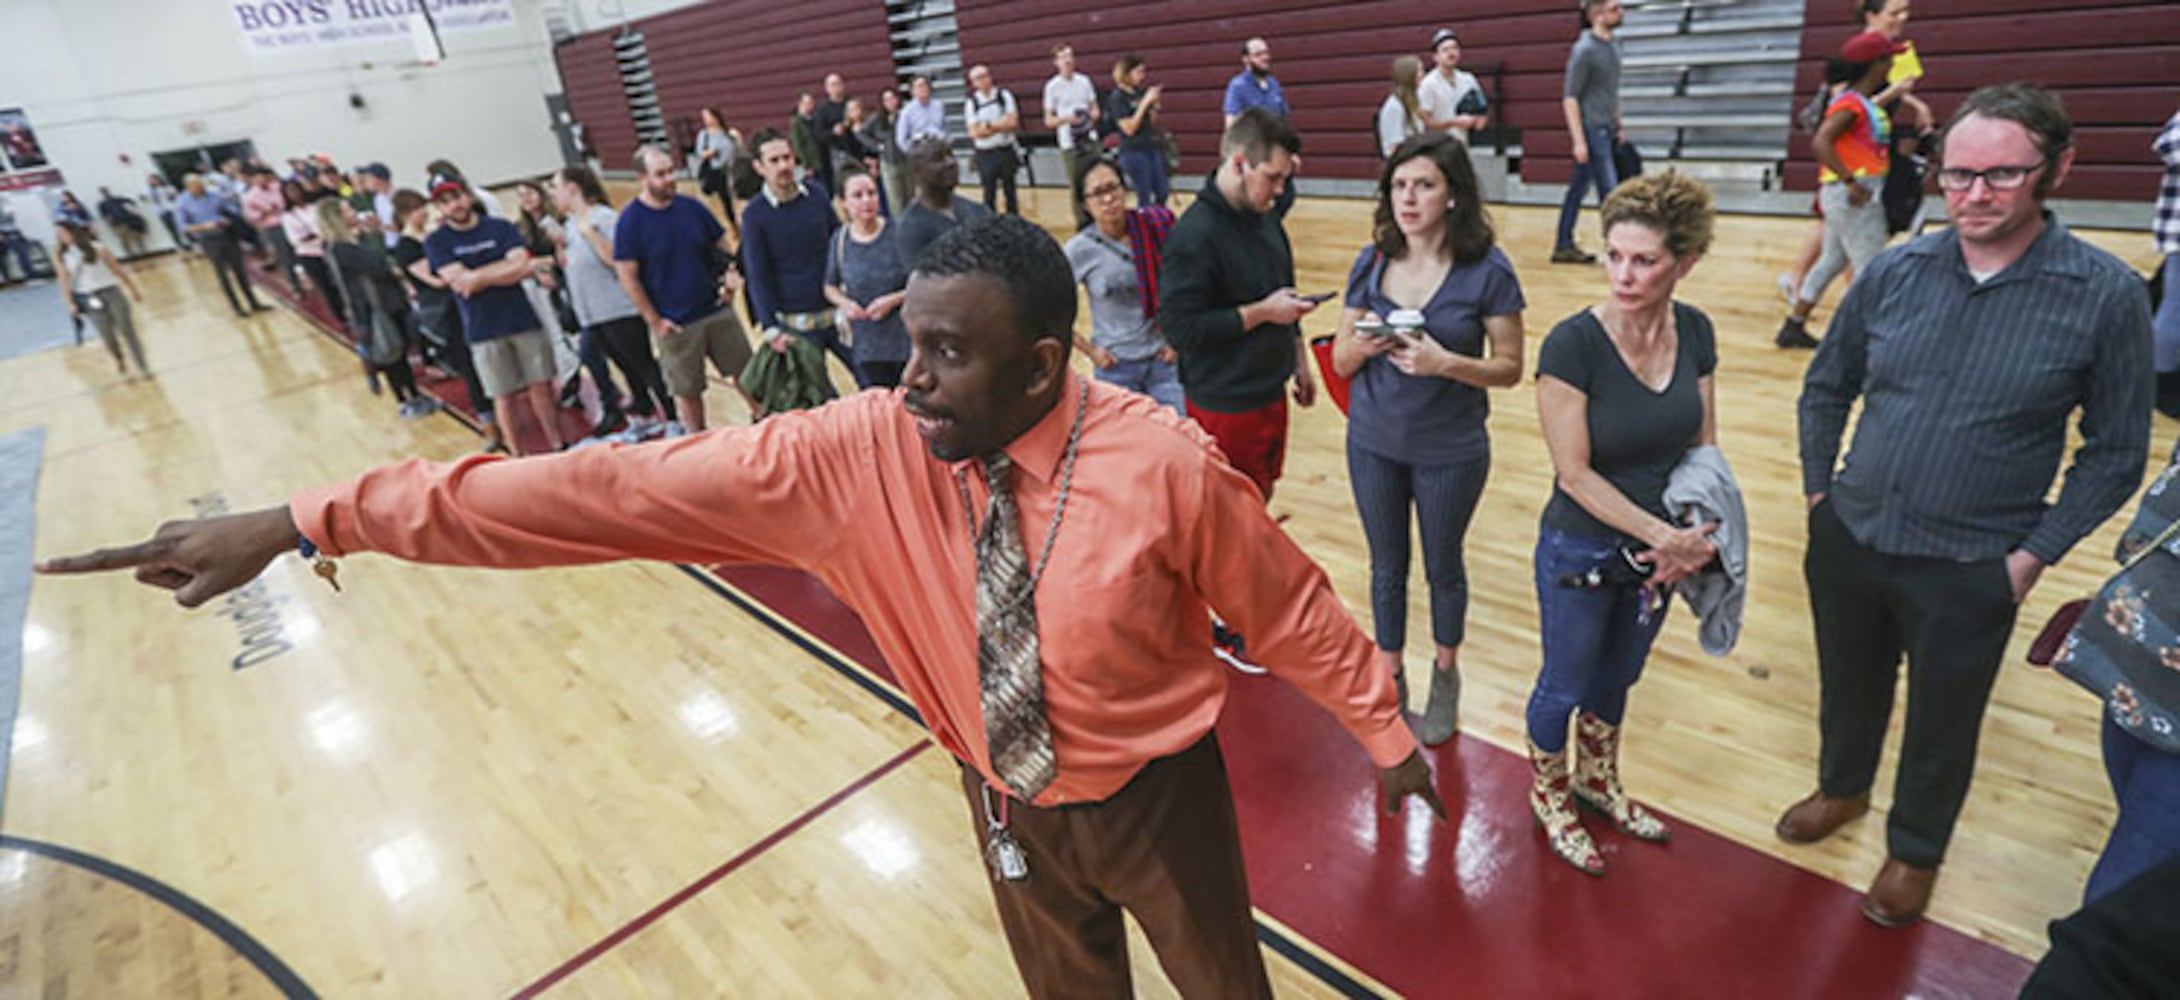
(1009, 863)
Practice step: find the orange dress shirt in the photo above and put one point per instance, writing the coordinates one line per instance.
(1158, 527)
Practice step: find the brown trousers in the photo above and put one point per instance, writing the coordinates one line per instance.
(1165, 848)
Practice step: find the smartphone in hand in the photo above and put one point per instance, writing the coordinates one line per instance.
(1320, 299)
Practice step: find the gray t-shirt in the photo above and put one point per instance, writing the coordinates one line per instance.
(593, 285)
(1593, 79)
(1106, 268)
(920, 226)
(866, 271)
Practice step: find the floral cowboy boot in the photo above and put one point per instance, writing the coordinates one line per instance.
(1548, 799)
(1597, 780)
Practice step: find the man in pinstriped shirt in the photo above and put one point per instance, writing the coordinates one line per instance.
(1968, 349)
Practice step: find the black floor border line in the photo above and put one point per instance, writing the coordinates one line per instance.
(281, 976)
(1325, 972)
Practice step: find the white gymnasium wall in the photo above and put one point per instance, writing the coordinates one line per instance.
(103, 79)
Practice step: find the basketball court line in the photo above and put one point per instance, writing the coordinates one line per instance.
(276, 972)
(725, 868)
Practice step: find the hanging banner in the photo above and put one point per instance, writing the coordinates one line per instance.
(292, 25)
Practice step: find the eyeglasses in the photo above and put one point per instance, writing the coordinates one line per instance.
(1101, 192)
(1957, 179)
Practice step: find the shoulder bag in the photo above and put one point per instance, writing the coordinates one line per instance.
(2123, 644)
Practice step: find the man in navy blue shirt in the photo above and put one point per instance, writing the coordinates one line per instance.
(206, 217)
(483, 261)
(785, 236)
(663, 249)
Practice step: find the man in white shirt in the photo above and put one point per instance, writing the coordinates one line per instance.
(1071, 111)
(1446, 87)
(993, 120)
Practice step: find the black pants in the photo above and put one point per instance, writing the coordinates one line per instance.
(321, 275)
(226, 258)
(996, 168)
(1165, 848)
(2118, 946)
(628, 342)
(1952, 620)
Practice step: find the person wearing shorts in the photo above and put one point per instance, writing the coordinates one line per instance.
(483, 261)
(663, 248)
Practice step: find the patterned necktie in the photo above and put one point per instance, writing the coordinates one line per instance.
(1008, 668)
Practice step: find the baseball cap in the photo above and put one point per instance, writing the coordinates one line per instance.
(1442, 36)
(377, 170)
(443, 183)
(1870, 46)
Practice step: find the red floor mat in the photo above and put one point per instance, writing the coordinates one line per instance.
(1479, 907)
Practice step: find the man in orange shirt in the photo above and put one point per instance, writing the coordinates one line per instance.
(1081, 709)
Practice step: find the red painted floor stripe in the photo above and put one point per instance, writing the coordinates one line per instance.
(751, 853)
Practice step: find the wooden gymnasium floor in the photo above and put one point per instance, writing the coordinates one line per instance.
(612, 782)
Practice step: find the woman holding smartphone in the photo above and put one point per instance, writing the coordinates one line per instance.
(1416, 410)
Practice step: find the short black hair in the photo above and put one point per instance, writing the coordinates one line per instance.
(1082, 174)
(1024, 258)
(1255, 132)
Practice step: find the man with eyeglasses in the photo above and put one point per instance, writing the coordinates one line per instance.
(1969, 350)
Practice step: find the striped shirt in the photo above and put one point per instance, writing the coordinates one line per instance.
(2167, 225)
(1966, 389)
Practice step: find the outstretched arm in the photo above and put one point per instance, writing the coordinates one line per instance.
(725, 496)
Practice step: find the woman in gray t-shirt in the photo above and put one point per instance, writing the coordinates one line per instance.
(866, 280)
(1125, 343)
(610, 321)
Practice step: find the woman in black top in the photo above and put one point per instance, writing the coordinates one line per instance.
(1133, 109)
(1623, 392)
(378, 308)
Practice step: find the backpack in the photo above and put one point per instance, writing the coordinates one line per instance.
(742, 174)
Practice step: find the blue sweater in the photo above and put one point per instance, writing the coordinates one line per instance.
(783, 253)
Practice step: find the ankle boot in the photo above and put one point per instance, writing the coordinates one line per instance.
(1597, 780)
(1441, 716)
(1548, 800)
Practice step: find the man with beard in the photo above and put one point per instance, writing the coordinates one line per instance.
(663, 248)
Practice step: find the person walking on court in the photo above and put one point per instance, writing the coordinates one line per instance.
(1453, 101)
(206, 218)
(1967, 349)
(993, 119)
(1853, 146)
(1125, 346)
(972, 521)
(483, 261)
(664, 245)
(1591, 103)
(120, 212)
(866, 280)
(1433, 322)
(93, 282)
(1624, 394)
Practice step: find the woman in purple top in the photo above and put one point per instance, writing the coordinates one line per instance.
(1433, 320)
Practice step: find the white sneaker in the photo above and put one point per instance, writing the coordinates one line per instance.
(674, 429)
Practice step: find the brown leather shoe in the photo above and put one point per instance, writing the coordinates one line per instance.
(1818, 816)
(1899, 895)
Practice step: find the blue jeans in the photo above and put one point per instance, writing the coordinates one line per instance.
(1443, 498)
(2166, 329)
(1594, 640)
(1598, 171)
(1160, 380)
(1146, 170)
(2146, 782)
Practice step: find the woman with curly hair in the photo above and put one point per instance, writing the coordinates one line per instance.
(1623, 393)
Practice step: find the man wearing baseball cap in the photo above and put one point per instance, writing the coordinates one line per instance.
(1853, 150)
(1451, 99)
(483, 261)
(375, 180)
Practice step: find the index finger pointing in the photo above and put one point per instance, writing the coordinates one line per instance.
(102, 560)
